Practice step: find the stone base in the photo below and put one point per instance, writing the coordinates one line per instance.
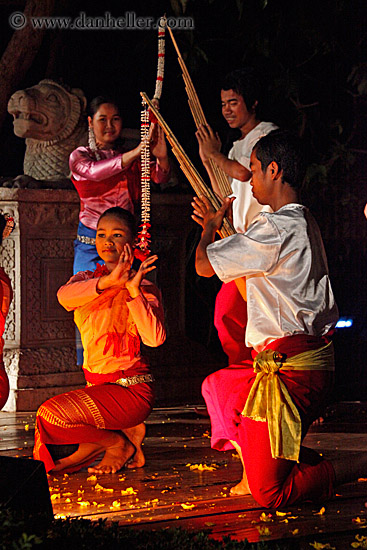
(30, 399)
(35, 375)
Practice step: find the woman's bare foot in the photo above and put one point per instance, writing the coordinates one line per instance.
(136, 435)
(118, 451)
(85, 451)
(241, 488)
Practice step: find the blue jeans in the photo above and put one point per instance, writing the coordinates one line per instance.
(85, 258)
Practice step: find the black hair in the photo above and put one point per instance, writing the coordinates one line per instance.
(95, 104)
(123, 215)
(286, 150)
(246, 83)
(2, 226)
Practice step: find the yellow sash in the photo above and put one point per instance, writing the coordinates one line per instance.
(269, 400)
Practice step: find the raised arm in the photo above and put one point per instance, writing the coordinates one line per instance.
(158, 146)
(211, 220)
(145, 305)
(78, 291)
(209, 148)
(85, 166)
(147, 312)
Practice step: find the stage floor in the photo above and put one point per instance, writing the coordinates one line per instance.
(186, 484)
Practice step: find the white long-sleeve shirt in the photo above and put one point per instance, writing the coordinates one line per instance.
(288, 288)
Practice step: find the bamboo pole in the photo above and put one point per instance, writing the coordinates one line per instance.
(199, 118)
(196, 181)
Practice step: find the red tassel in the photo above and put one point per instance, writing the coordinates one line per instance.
(152, 117)
(142, 247)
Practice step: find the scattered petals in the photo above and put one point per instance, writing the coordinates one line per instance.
(264, 531)
(128, 491)
(321, 512)
(115, 504)
(359, 520)
(266, 518)
(295, 531)
(93, 477)
(202, 467)
(84, 503)
(101, 489)
(187, 506)
(361, 542)
(321, 546)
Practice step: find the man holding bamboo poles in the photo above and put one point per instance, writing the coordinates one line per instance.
(240, 95)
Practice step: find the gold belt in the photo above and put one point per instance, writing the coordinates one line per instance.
(86, 240)
(132, 380)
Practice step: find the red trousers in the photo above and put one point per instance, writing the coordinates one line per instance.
(273, 482)
(4, 386)
(230, 320)
(83, 416)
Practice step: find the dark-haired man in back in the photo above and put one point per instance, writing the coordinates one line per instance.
(241, 97)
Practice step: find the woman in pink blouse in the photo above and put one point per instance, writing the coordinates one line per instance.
(114, 308)
(104, 177)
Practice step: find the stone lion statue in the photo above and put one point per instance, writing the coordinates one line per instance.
(52, 120)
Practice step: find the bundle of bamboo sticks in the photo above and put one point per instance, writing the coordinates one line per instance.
(196, 181)
(199, 118)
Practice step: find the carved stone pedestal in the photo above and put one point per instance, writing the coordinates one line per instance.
(39, 352)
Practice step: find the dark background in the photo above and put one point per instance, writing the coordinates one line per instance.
(312, 56)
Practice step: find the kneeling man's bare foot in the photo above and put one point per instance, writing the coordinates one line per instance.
(240, 489)
(136, 435)
(118, 451)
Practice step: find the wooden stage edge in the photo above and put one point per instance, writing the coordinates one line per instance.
(186, 484)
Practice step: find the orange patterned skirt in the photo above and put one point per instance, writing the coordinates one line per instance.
(83, 416)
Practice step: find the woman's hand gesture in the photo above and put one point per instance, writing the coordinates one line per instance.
(120, 273)
(135, 277)
(158, 145)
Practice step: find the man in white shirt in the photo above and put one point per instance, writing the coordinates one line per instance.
(291, 314)
(241, 99)
(240, 95)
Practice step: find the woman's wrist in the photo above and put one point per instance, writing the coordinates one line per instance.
(163, 164)
(100, 286)
(128, 157)
(133, 291)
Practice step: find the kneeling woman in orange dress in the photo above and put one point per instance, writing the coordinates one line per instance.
(114, 308)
